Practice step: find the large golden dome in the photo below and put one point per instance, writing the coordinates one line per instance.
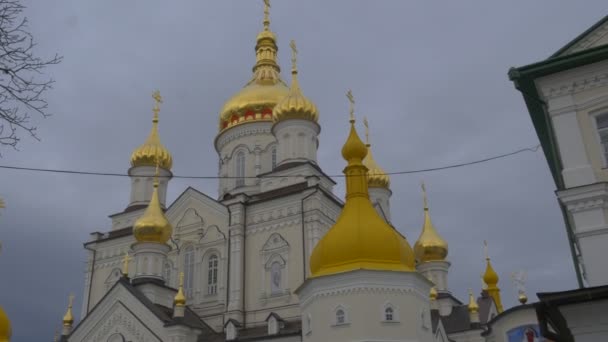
(430, 245)
(256, 101)
(153, 226)
(360, 239)
(153, 152)
(5, 327)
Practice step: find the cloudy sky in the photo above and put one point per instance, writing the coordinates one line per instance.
(431, 77)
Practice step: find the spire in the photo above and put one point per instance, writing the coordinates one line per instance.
(430, 245)
(153, 151)
(266, 68)
(295, 105)
(125, 265)
(376, 176)
(153, 226)
(490, 277)
(180, 298)
(68, 318)
(360, 238)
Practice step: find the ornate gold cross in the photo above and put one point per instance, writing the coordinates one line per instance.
(158, 99)
(294, 54)
(426, 205)
(351, 99)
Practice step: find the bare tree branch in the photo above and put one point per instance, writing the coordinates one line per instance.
(22, 81)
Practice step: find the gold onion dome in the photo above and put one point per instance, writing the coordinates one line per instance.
(153, 226)
(257, 99)
(68, 318)
(295, 105)
(430, 245)
(152, 151)
(5, 327)
(360, 239)
(376, 176)
(180, 298)
(473, 307)
(490, 276)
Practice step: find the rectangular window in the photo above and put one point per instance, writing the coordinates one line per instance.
(602, 129)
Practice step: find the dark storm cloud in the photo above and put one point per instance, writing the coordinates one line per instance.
(431, 77)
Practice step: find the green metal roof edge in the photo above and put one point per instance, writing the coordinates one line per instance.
(579, 37)
(523, 79)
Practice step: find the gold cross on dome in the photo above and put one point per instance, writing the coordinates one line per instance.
(266, 14)
(158, 100)
(426, 205)
(294, 54)
(351, 99)
(366, 124)
(485, 250)
(70, 301)
(181, 279)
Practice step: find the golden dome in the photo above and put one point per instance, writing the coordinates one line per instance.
(473, 307)
(490, 277)
(376, 177)
(360, 239)
(153, 226)
(295, 105)
(430, 245)
(68, 318)
(256, 101)
(5, 327)
(180, 298)
(153, 151)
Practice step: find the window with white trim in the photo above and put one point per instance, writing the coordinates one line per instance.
(601, 122)
(240, 168)
(340, 316)
(189, 271)
(388, 314)
(212, 265)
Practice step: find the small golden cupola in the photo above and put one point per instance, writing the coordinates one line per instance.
(257, 99)
(68, 318)
(430, 245)
(153, 226)
(490, 278)
(360, 239)
(376, 177)
(295, 105)
(5, 327)
(473, 306)
(153, 151)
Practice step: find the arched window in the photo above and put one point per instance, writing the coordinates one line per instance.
(212, 275)
(275, 277)
(340, 316)
(240, 169)
(274, 157)
(388, 314)
(189, 271)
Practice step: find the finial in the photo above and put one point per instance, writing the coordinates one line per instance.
(125, 265)
(266, 15)
(519, 278)
(351, 99)
(485, 250)
(68, 318)
(366, 124)
(294, 57)
(180, 298)
(473, 307)
(424, 197)
(158, 99)
(157, 172)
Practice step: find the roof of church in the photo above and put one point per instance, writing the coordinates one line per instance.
(459, 319)
(165, 314)
(291, 328)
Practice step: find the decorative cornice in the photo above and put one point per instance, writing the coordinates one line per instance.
(583, 198)
(576, 85)
(238, 132)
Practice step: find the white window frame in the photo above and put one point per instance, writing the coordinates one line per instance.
(189, 271)
(240, 161)
(212, 274)
(338, 319)
(395, 313)
(603, 150)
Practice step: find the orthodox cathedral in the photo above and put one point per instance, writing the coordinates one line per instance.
(275, 256)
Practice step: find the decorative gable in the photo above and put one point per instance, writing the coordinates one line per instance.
(275, 243)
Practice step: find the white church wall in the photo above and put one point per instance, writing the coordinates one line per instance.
(511, 320)
(351, 307)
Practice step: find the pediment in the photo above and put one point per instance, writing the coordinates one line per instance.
(212, 234)
(119, 313)
(595, 36)
(275, 242)
(202, 203)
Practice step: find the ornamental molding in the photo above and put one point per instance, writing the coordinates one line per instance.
(355, 291)
(272, 227)
(121, 321)
(574, 85)
(258, 128)
(585, 198)
(272, 215)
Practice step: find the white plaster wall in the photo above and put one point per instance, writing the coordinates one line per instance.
(297, 141)
(364, 295)
(142, 184)
(256, 141)
(588, 322)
